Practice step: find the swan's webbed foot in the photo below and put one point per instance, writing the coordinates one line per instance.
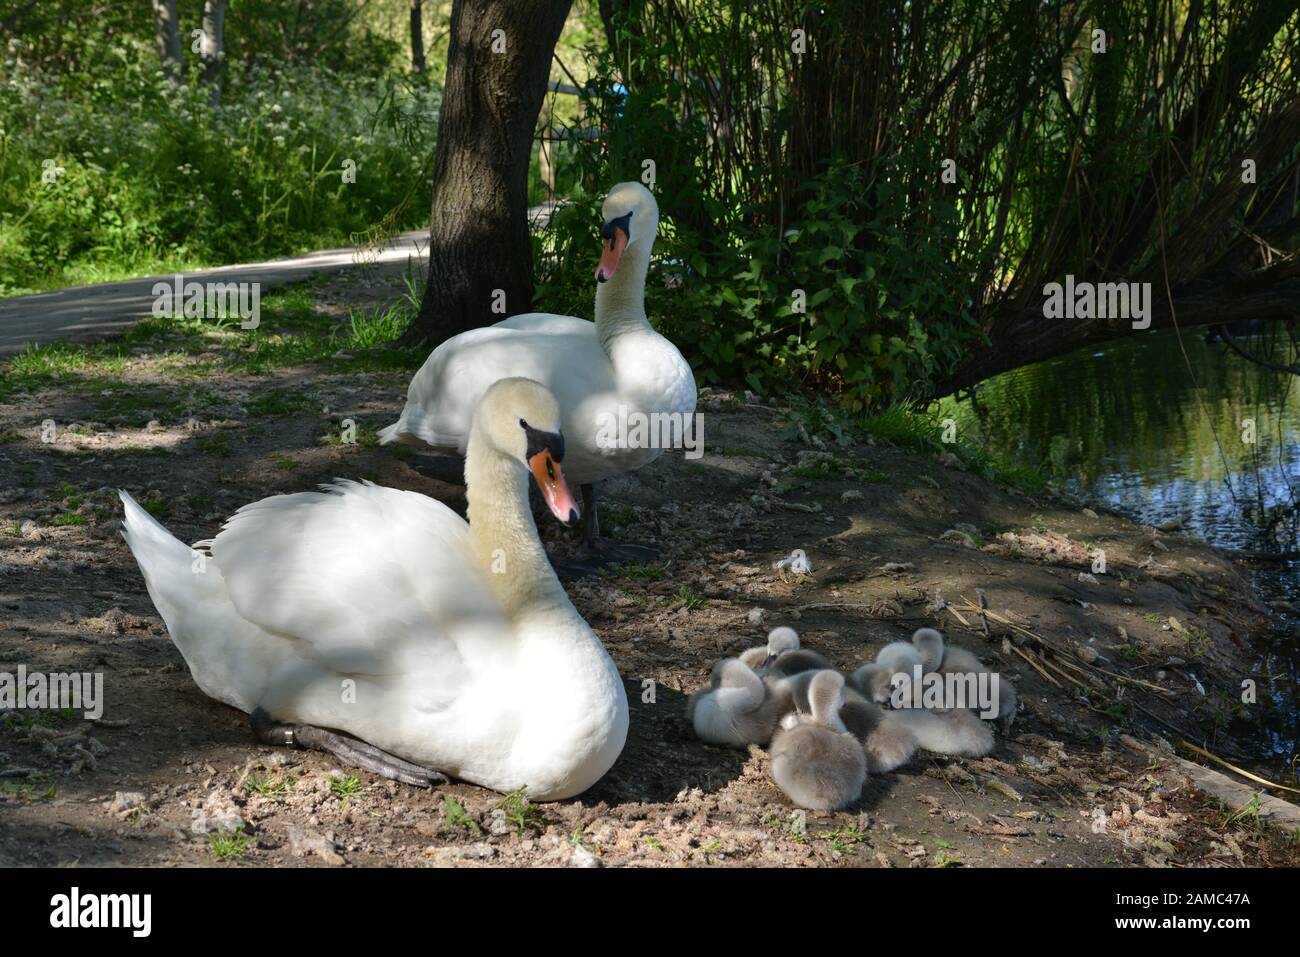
(604, 552)
(440, 464)
(353, 752)
(571, 569)
(588, 562)
(601, 551)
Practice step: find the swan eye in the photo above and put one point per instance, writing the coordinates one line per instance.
(550, 468)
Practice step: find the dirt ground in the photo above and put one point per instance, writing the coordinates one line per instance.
(1103, 664)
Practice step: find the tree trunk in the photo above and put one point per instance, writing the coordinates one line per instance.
(417, 36)
(1204, 291)
(212, 46)
(1025, 338)
(168, 37)
(480, 254)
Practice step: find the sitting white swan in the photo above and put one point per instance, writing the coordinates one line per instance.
(617, 369)
(446, 648)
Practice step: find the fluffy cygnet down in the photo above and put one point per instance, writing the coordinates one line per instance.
(890, 737)
(739, 707)
(815, 760)
(875, 680)
(782, 655)
(949, 659)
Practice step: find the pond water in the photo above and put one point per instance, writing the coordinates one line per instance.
(1170, 428)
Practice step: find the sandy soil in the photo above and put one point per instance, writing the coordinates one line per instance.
(156, 780)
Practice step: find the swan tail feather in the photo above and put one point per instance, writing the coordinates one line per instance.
(166, 562)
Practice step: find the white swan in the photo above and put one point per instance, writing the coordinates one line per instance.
(382, 614)
(615, 369)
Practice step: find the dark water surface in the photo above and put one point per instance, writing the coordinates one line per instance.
(1172, 429)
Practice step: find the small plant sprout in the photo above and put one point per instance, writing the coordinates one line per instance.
(229, 845)
(521, 812)
(454, 815)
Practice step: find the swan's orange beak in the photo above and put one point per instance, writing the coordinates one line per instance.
(551, 481)
(611, 254)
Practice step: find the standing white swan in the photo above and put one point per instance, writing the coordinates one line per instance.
(440, 648)
(615, 369)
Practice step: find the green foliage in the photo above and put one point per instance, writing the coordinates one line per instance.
(843, 277)
(842, 301)
(454, 815)
(522, 813)
(229, 846)
(259, 176)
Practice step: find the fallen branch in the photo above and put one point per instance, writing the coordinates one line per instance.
(1232, 767)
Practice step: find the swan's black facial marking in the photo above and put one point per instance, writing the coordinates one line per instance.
(539, 441)
(623, 222)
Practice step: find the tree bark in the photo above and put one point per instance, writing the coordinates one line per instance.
(212, 46)
(480, 253)
(167, 35)
(1203, 292)
(417, 36)
(1027, 337)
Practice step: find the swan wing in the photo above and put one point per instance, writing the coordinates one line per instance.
(561, 352)
(365, 580)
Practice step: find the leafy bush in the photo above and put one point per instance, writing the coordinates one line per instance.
(142, 174)
(849, 279)
(859, 295)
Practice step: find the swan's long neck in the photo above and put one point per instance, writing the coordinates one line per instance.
(620, 303)
(504, 536)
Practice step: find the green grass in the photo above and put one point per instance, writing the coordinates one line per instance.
(267, 785)
(229, 846)
(688, 598)
(364, 437)
(819, 472)
(156, 507)
(292, 332)
(68, 518)
(922, 432)
(214, 445)
(454, 815)
(638, 571)
(345, 787)
(844, 837)
(612, 515)
(26, 720)
(521, 812)
(1248, 816)
(24, 789)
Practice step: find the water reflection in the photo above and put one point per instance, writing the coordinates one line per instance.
(1170, 429)
(1162, 429)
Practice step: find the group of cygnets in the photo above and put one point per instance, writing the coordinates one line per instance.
(826, 732)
